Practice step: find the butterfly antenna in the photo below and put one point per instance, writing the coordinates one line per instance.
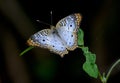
(51, 18)
(43, 22)
(47, 23)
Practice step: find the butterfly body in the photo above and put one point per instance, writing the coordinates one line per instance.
(58, 39)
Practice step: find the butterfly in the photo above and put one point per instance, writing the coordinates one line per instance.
(58, 39)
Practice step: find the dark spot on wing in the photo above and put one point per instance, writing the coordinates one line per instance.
(71, 25)
(43, 39)
(69, 42)
(71, 35)
(53, 32)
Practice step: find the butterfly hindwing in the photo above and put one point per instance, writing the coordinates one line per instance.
(48, 39)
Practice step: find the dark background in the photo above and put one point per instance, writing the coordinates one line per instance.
(100, 23)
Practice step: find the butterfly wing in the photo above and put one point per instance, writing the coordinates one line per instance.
(67, 30)
(48, 39)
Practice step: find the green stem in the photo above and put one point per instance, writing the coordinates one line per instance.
(26, 50)
(104, 78)
(100, 76)
(109, 72)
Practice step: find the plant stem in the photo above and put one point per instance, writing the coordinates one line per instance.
(26, 50)
(104, 78)
(110, 70)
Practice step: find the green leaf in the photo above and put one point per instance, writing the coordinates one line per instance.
(85, 49)
(80, 37)
(89, 66)
(91, 69)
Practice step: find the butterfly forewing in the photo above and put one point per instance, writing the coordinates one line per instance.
(40, 39)
(67, 29)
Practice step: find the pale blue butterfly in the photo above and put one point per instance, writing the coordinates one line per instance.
(59, 39)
